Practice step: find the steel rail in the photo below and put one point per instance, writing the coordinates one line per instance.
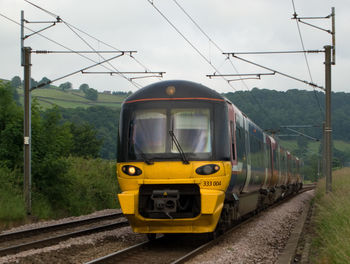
(113, 257)
(56, 239)
(55, 227)
(211, 243)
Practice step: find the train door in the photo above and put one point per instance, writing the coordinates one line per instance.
(240, 151)
(266, 164)
(289, 172)
(269, 161)
(283, 167)
(238, 156)
(248, 157)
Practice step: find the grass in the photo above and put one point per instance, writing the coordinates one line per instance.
(72, 98)
(313, 147)
(12, 209)
(90, 185)
(332, 220)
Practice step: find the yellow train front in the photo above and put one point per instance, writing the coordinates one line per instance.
(174, 158)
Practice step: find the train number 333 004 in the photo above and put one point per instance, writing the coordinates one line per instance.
(211, 183)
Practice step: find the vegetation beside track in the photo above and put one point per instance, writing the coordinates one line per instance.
(331, 220)
(68, 178)
(89, 185)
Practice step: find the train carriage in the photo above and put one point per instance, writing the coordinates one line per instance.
(189, 161)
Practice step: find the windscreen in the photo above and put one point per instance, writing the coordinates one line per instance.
(192, 129)
(150, 133)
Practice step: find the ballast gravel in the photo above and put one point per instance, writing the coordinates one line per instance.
(260, 241)
(78, 250)
(60, 221)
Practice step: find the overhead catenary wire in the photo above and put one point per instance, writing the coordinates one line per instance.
(89, 35)
(74, 29)
(59, 44)
(187, 40)
(209, 38)
(306, 59)
(280, 73)
(200, 53)
(286, 75)
(102, 57)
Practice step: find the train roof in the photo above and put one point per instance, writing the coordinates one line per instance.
(175, 89)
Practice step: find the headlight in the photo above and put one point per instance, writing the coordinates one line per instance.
(131, 170)
(208, 169)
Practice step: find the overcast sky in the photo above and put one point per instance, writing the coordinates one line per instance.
(233, 25)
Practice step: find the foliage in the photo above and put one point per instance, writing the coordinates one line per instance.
(33, 83)
(105, 120)
(55, 178)
(65, 86)
(271, 109)
(82, 134)
(93, 185)
(16, 81)
(126, 94)
(46, 81)
(331, 221)
(11, 200)
(11, 127)
(91, 94)
(83, 87)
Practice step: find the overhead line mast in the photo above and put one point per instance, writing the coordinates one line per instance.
(26, 63)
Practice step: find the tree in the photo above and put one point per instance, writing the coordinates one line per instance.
(16, 82)
(33, 83)
(91, 94)
(84, 87)
(45, 80)
(65, 86)
(11, 129)
(85, 142)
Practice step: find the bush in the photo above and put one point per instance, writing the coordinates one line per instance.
(11, 198)
(93, 185)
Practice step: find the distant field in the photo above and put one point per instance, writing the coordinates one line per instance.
(72, 98)
(313, 146)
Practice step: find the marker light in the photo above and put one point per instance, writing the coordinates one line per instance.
(170, 90)
(131, 170)
(207, 169)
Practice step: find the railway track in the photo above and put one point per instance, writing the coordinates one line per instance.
(174, 249)
(14, 242)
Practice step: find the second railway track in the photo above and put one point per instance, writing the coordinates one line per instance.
(15, 242)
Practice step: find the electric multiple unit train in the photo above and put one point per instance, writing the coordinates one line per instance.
(189, 161)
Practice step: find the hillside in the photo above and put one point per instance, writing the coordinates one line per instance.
(268, 108)
(71, 98)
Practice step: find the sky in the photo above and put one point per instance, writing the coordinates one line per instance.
(136, 25)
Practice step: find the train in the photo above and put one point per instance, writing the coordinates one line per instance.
(189, 161)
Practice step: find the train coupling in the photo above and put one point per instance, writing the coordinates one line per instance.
(165, 201)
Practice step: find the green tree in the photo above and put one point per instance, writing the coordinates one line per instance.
(16, 81)
(33, 83)
(91, 94)
(51, 143)
(46, 81)
(85, 142)
(11, 127)
(65, 86)
(84, 87)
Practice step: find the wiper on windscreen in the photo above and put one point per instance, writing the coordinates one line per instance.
(143, 155)
(178, 146)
